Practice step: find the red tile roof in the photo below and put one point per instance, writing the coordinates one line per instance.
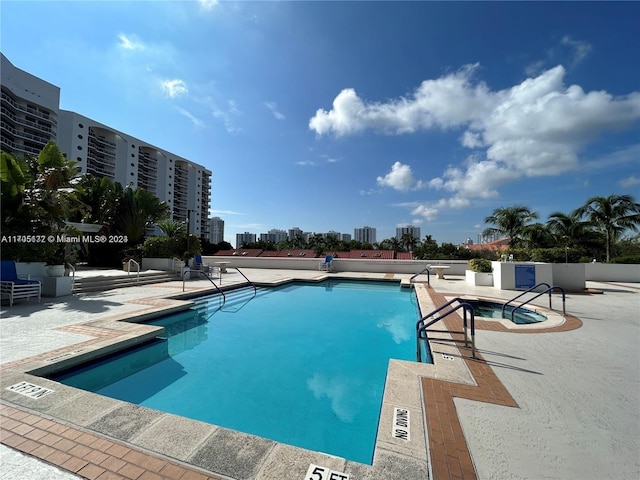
(498, 245)
(244, 252)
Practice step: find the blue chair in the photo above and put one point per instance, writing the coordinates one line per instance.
(13, 287)
(199, 265)
(325, 265)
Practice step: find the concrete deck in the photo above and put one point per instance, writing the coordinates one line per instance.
(559, 403)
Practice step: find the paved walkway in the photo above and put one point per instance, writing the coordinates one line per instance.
(559, 404)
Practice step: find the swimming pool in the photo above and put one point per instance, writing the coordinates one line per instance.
(302, 364)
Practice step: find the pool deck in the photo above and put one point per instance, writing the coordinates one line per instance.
(560, 400)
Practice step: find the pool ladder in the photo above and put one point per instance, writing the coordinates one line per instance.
(468, 320)
(548, 290)
(426, 269)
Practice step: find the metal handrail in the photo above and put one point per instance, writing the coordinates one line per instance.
(245, 277)
(173, 263)
(129, 268)
(205, 274)
(421, 327)
(426, 269)
(549, 290)
(524, 293)
(73, 276)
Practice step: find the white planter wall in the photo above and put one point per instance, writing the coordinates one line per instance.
(610, 272)
(167, 264)
(478, 279)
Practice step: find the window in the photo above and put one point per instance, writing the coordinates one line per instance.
(79, 147)
(80, 125)
(80, 136)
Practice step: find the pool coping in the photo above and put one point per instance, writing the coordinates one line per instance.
(221, 451)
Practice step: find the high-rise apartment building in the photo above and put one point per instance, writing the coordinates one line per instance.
(216, 230)
(408, 230)
(246, 237)
(29, 111)
(365, 235)
(31, 117)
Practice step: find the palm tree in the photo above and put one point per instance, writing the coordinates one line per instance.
(510, 222)
(537, 235)
(137, 210)
(100, 196)
(171, 228)
(409, 241)
(612, 215)
(568, 229)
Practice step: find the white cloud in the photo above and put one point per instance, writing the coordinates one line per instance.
(174, 88)
(274, 110)
(629, 182)
(579, 49)
(306, 163)
(535, 128)
(208, 4)
(130, 42)
(196, 121)
(228, 115)
(399, 178)
(568, 52)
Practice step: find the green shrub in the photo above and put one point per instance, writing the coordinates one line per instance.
(480, 265)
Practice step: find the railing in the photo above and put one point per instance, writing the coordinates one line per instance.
(200, 272)
(426, 269)
(421, 327)
(173, 263)
(549, 290)
(131, 260)
(73, 276)
(245, 277)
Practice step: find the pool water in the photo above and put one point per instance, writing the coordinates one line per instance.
(302, 364)
(487, 309)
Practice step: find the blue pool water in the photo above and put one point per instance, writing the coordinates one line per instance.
(302, 364)
(488, 309)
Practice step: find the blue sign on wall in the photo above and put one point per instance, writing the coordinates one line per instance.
(525, 276)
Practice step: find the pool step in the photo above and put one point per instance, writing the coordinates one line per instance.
(109, 282)
(234, 298)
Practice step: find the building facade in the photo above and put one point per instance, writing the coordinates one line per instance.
(216, 230)
(246, 237)
(365, 235)
(408, 230)
(31, 117)
(29, 111)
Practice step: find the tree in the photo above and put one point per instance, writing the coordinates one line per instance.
(171, 228)
(409, 241)
(612, 215)
(510, 222)
(136, 211)
(537, 235)
(567, 229)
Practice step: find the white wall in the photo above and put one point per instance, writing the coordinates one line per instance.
(457, 267)
(611, 272)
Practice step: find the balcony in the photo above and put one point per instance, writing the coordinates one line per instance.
(101, 139)
(35, 111)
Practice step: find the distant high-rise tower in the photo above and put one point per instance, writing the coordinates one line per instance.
(216, 230)
(246, 237)
(408, 230)
(365, 235)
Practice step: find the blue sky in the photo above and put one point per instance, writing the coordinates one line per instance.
(336, 115)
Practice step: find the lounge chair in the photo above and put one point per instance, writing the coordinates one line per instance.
(198, 264)
(325, 265)
(13, 287)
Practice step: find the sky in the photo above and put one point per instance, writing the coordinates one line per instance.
(330, 116)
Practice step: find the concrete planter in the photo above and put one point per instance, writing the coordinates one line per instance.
(55, 270)
(478, 279)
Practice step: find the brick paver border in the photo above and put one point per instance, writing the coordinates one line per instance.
(448, 450)
(85, 453)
